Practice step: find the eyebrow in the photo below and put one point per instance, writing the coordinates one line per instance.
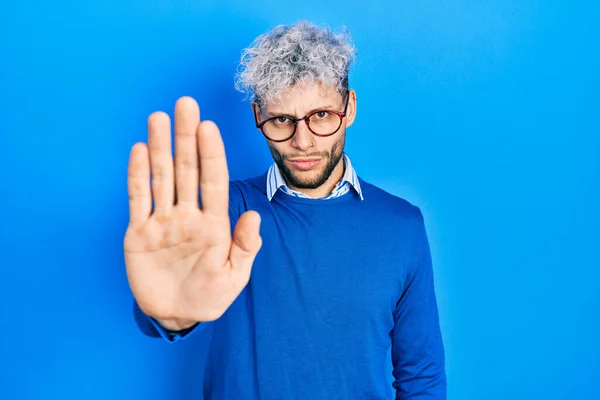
(280, 114)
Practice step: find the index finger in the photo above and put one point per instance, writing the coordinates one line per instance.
(214, 175)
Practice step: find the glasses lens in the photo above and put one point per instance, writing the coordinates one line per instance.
(278, 128)
(324, 122)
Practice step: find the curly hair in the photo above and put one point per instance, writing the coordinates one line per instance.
(287, 55)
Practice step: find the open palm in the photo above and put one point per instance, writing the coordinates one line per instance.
(183, 265)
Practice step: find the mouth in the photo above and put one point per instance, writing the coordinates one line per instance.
(305, 164)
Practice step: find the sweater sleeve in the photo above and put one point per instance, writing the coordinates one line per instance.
(150, 327)
(417, 348)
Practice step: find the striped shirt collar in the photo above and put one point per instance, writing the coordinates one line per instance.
(276, 182)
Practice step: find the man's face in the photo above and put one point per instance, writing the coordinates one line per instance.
(304, 166)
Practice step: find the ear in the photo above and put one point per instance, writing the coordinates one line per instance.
(256, 112)
(351, 113)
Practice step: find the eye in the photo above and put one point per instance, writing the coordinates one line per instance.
(322, 114)
(282, 120)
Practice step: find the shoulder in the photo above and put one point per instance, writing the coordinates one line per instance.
(250, 187)
(388, 203)
(399, 220)
(245, 191)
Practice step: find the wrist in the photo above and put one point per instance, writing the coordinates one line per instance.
(175, 325)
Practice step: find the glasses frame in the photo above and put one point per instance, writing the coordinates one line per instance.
(306, 119)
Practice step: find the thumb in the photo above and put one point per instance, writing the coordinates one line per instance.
(246, 241)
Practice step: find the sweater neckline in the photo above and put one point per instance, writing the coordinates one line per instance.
(282, 197)
(260, 183)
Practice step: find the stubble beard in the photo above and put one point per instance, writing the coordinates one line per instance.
(313, 182)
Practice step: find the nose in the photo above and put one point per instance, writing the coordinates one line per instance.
(303, 137)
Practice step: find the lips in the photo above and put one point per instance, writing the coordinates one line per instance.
(305, 164)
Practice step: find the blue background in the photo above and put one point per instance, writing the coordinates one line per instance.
(484, 114)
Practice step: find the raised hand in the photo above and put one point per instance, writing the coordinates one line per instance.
(183, 265)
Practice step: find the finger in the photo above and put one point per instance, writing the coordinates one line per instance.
(138, 184)
(161, 161)
(187, 118)
(214, 176)
(246, 241)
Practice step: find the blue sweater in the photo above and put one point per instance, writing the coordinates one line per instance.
(336, 287)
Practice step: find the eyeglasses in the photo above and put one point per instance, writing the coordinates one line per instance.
(320, 122)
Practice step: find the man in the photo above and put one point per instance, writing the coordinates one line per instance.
(303, 277)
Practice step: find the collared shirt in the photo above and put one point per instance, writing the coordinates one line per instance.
(276, 182)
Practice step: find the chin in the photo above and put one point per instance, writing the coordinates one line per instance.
(308, 179)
